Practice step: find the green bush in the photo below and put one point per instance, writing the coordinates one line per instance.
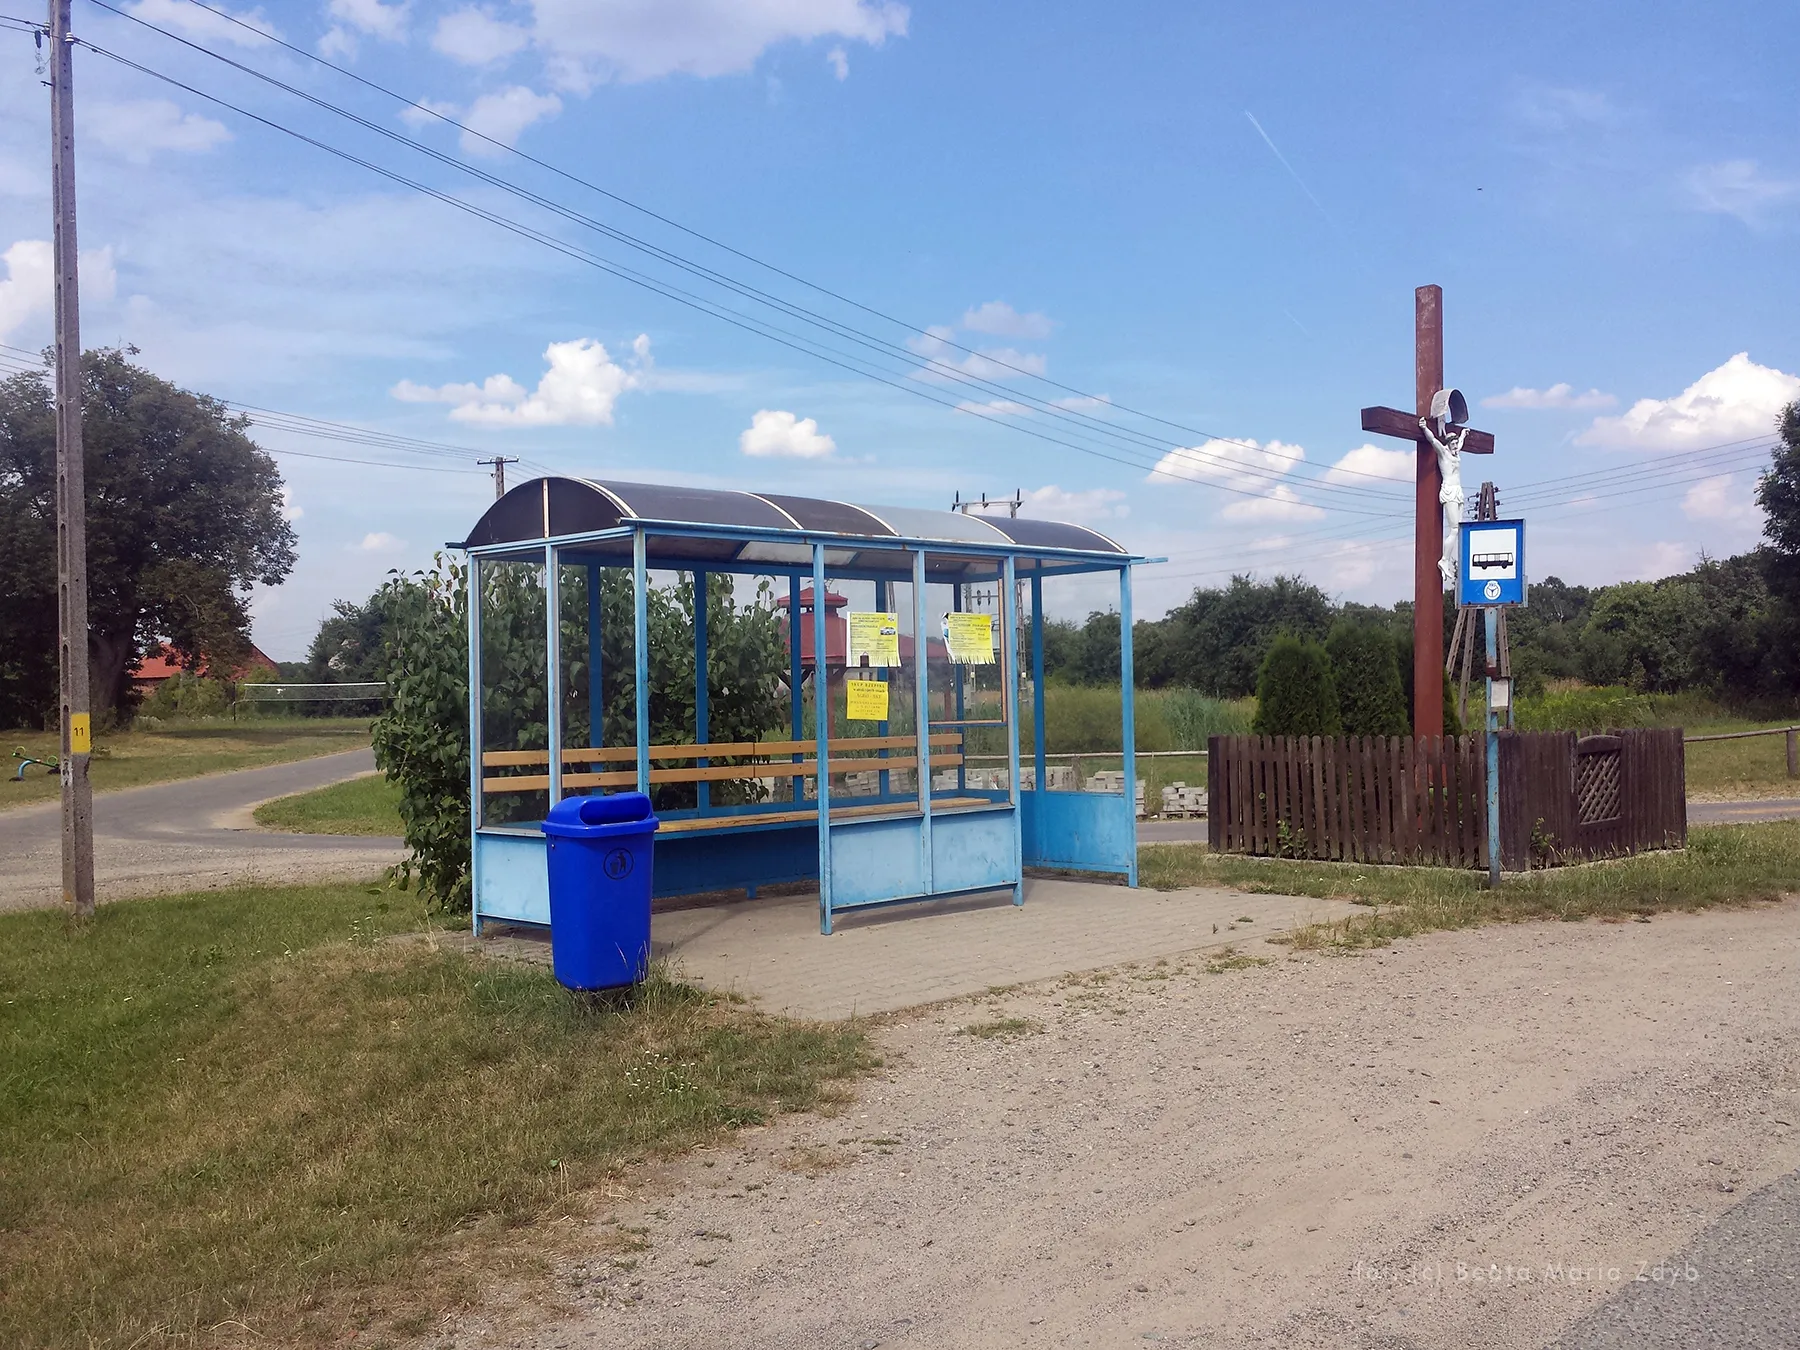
(185, 695)
(1367, 675)
(1295, 695)
(1611, 707)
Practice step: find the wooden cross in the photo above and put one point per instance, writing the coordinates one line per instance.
(1428, 534)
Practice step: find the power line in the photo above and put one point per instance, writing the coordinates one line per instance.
(591, 186)
(1055, 410)
(736, 319)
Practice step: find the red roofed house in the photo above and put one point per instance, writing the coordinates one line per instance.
(161, 663)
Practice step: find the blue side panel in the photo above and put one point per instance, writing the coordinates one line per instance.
(973, 850)
(688, 864)
(512, 878)
(1079, 831)
(875, 860)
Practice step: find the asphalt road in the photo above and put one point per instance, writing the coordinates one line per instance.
(195, 834)
(1735, 1287)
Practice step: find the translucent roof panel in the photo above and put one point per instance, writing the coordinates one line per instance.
(571, 508)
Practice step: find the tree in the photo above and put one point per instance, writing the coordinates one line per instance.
(1778, 493)
(1295, 695)
(1223, 636)
(1367, 677)
(1643, 634)
(184, 515)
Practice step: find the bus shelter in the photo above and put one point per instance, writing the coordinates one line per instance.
(598, 614)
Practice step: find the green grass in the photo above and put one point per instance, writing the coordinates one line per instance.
(1726, 864)
(368, 805)
(252, 1107)
(125, 759)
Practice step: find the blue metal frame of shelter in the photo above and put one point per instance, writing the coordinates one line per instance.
(892, 847)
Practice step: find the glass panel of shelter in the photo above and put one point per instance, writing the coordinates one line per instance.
(514, 704)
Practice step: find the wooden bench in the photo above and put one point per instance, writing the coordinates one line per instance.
(753, 751)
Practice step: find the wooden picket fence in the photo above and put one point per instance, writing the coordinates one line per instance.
(1392, 799)
(1388, 799)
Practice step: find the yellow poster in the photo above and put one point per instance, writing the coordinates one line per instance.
(866, 700)
(81, 738)
(969, 638)
(875, 635)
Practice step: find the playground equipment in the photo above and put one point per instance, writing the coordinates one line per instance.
(52, 764)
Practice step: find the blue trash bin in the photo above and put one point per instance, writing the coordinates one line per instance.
(599, 851)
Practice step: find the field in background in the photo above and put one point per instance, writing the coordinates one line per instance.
(291, 1113)
(125, 759)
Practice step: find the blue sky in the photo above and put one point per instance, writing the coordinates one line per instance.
(1214, 214)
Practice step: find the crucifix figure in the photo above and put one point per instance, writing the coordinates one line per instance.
(1439, 473)
(1450, 492)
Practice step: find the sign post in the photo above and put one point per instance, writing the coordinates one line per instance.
(1492, 574)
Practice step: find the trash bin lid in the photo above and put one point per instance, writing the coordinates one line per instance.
(576, 816)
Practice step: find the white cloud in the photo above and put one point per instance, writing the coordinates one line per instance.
(380, 542)
(780, 435)
(1081, 402)
(1739, 187)
(987, 363)
(1000, 319)
(290, 510)
(839, 63)
(204, 25)
(474, 37)
(26, 290)
(138, 129)
(1279, 504)
(371, 17)
(503, 116)
(580, 388)
(1239, 463)
(589, 40)
(1724, 498)
(1736, 402)
(994, 407)
(1556, 396)
(1374, 461)
(1559, 110)
(1243, 466)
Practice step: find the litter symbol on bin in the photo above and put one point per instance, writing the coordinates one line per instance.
(618, 863)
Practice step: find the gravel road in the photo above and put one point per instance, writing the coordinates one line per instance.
(195, 834)
(1473, 1139)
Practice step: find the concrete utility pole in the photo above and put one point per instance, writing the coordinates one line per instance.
(499, 462)
(71, 485)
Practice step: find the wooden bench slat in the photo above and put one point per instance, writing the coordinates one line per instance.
(714, 773)
(721, 750)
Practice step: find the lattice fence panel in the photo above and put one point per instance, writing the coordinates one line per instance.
(1597, 795)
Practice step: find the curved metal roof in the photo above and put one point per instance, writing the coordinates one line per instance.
(559, 507)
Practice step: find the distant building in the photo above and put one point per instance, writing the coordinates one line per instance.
(161, 663)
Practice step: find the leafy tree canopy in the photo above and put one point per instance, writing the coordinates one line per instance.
(184, 515)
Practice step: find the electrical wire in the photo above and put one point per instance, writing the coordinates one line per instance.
(913, 360)
(736, 319)
(591, 186)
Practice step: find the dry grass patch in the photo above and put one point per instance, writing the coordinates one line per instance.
(1002, 1029)
(248, 1108)
(1722, 864)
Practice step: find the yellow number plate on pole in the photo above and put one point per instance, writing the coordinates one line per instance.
(81, 737)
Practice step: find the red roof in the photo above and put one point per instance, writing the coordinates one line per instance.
(161, 663)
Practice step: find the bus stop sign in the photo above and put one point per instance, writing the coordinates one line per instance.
(1492, 570)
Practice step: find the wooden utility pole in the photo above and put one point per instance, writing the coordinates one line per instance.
(71, 485)
(1428, 530)
(499, 462)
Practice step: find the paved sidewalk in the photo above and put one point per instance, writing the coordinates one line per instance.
(770, 949)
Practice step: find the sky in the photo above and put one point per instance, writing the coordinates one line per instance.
(1141, 263)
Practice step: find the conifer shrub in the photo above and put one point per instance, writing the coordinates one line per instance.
(1295, 694)
(1366, 672)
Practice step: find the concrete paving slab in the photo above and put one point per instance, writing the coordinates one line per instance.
(770, 950)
